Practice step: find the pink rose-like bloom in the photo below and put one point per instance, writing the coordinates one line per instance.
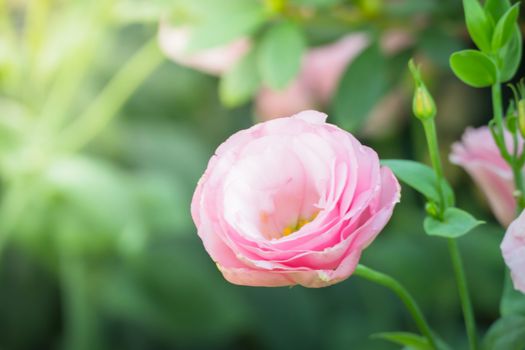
(513, 249)
(479, 155)
(174, 41)
(292, 201)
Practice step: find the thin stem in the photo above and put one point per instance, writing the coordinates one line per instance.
(403, 294)
(464, 295)
(113, 96)
(459, 271)
(498, 117)
(433, 149)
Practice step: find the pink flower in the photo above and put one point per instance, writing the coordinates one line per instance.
(478, 154)
(292, 201)
(513, 249)
(173, 42)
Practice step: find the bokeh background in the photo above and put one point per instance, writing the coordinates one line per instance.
(103, 139)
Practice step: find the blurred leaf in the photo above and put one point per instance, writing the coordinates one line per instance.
(480, 26)
(279, 54)
(510, 56)
(317, 3)
(410, 7)
(456, 223)
(175, 292)
(438, 45)
(163, 202)
(224, 27)
(474, 68)
(512, 301)
(241, 82)
(360, 88)
(420, 177)
(507, 333)
(505, 27)
(87, 200)
(410, 340)
(497, 8)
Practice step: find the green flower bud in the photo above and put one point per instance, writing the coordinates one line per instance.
(423, 104)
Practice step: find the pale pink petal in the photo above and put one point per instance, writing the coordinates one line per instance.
(174, 41)
(478, 154)
(513, 250)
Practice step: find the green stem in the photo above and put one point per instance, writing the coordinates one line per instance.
(459, 271)
(403, 294)
(498, 117)
(112, 97)
(433, 148)
(464, 295)
(79, 319)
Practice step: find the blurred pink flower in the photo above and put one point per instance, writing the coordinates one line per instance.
(513, 250)
(478, 154)
(292, 201)
(317, 81)
(173, 42)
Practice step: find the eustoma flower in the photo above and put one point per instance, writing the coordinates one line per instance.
(479, 155)
(292, 201)
(513, 249)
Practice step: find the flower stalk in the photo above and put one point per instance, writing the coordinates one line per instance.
(426, 113)
(411, 305)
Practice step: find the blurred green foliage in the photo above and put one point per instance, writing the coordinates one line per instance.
(98, 250)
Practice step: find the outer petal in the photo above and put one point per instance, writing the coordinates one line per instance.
(480, 157)
(513, 250)
(173, 42)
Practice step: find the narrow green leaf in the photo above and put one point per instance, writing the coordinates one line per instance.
(474, 68)
(413, 341)
(480, 26)
(507, 333)
(240, 83)
(510, 56)
(456, 223)
(421, 178)
(496, 8)
(505, 27)
(279, 54)
(364, 82)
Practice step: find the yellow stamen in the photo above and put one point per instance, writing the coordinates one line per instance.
(300, 223)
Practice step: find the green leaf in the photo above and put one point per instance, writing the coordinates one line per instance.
(510, 56)
(413, 341)
(512, 301)
(474, 68)
(480, 26)
(421, 178)
(456, 223)
(496, 8)
(225, 27)
(240, 83)
(505, 27)
(279, 54)
(360, 88)
(507, 333)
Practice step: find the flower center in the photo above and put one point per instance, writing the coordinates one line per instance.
(288, 230)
